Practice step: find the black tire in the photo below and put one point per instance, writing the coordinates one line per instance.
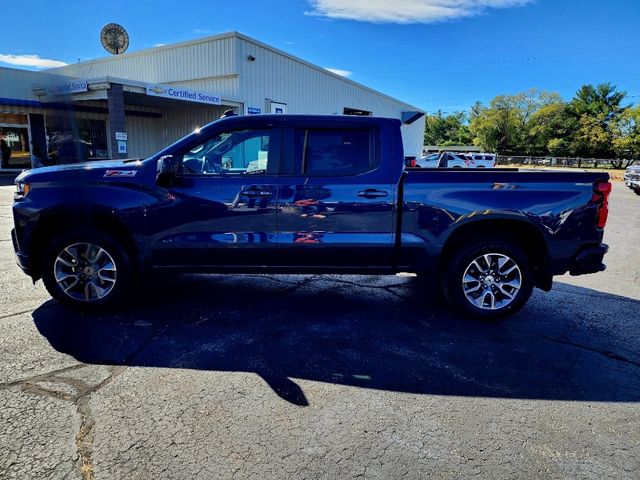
(637, 191)
(461, 260)
(122, 278)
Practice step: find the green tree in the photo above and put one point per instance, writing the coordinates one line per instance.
(506, 126)
(547, 123)
(595, 123)
(626, 136)
(593, 100)
(558, 147)
(495, 128)
(443, 130)
(476, 110)
(593, 113)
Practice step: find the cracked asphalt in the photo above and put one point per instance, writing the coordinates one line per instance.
(271, 377)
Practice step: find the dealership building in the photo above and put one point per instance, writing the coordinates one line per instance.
(132, 105)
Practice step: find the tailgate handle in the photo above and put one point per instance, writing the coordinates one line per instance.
(372, 193)
(255, 192)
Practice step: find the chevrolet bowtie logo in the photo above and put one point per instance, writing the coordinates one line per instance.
(158, 90)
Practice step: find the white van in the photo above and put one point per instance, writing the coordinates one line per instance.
(484, 160)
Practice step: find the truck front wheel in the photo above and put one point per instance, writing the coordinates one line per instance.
(489, 279)
(86, 269)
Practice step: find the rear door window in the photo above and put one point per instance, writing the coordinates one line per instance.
(334, 152)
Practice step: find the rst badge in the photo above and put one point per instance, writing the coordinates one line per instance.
(120, 173)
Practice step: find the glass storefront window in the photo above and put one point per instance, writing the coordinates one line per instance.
(17, 139)
(77, 141)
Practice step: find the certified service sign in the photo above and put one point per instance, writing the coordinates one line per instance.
(178, 93)
(67, 87)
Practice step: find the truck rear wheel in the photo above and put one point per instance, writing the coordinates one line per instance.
(86, 269)
(489, 279)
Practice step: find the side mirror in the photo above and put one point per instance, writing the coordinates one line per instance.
(167, 168)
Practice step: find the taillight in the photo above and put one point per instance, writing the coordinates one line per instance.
(601, 193)
(410, 162)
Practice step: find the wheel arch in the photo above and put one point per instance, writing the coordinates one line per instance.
(520, 231)
(55, 221)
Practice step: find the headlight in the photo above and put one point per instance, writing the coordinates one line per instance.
(22, 189)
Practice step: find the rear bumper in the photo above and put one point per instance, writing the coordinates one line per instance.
(21, 258)
(589, 260)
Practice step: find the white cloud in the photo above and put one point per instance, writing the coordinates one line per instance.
(338, 71)
(30, 61)
(406, 11)
(159, 44)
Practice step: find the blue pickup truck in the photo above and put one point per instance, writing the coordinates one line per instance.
(306, 194)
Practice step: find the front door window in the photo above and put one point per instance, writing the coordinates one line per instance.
(236, 153)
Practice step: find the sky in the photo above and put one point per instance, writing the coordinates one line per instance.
(434, 54)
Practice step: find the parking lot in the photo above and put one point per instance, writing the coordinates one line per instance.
(272, 377)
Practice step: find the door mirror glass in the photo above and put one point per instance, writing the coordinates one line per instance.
(167, 167)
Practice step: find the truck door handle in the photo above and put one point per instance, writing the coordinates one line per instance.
(372, 193)
(255, 192)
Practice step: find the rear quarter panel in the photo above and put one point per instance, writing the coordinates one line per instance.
(558, 204)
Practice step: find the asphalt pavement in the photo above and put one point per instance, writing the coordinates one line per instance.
(272, 377)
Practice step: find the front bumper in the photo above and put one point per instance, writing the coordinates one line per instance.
(21, 258)
(589, 260)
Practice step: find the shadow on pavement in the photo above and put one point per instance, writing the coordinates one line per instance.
(384, 333)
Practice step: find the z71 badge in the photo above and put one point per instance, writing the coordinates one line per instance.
(120, 173)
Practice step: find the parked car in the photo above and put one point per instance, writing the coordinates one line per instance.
(632, 178)
(455, 160)
(428, 161)
(483, 160)
(329, 195)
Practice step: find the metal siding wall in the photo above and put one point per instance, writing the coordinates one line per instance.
(17, 84)
(413, 137)
(173, 64)
(182, 121)
(144, 136)
(307, 90)
(150, 135)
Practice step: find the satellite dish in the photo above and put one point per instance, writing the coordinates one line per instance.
(114, 38)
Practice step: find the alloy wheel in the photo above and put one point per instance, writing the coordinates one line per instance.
(85, 272)
(492, 281)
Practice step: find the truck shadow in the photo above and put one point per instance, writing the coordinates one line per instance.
(385, 333)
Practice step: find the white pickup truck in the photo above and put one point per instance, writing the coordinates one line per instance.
(457, 160)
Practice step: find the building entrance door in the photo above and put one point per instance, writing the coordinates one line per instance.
(277, 107)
